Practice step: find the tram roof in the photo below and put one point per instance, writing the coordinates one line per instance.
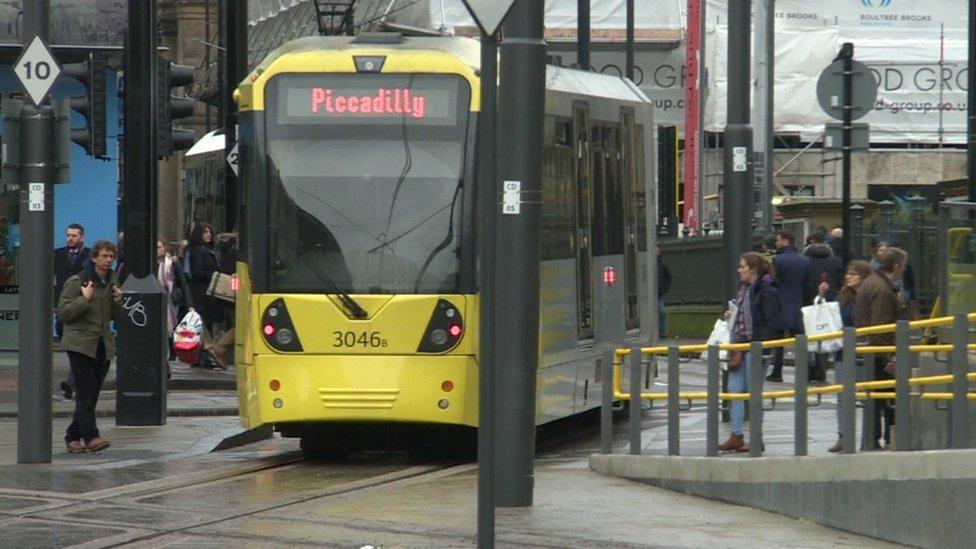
(559, 79)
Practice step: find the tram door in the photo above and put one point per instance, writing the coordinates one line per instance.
(584, 223)
(631, 227)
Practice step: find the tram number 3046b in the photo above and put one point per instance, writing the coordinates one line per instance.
(358, 339)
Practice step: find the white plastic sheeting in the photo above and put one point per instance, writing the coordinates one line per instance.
(259, 10)
(921, 99)
(917, 51)
(445, 15)
(801, 53)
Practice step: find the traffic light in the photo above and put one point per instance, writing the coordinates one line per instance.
(91, 73)
(169, 108)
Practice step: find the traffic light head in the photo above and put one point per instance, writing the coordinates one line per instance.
(170, 108)
(91, 74)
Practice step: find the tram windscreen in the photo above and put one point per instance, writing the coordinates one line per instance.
(365, 180)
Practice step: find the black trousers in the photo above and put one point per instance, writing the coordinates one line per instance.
(883, 409)
(89, 373)
(778, 353)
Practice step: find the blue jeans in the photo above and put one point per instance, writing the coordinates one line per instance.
(839, 380)
(739, 383)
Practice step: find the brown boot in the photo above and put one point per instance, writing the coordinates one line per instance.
(734, 443)
(837, 447)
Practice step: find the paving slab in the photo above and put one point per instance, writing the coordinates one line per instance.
(573, 507)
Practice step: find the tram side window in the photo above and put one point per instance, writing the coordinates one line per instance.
(641, 196)
(607, 200)
(558, 200)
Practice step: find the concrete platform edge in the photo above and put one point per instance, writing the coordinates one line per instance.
(916, 498)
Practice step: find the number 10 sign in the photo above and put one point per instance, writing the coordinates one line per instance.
(37, 70)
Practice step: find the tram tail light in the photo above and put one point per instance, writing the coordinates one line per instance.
(278, 329)
(445, 329)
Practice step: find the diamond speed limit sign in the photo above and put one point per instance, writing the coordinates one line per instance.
(37, 70)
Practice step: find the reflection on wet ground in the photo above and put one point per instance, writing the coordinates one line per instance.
(145, 494)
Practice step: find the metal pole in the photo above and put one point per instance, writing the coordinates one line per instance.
(522, 100)
(903, 371)
(694, 106)
(635, 401)
(711, 413)
(36, 268)
(801, 363)
(487, 142)
(847, 54)
(606, 407)
(140, 395)
(847, 395)
(971, 95)
(737, 195)
(763, 116)
(674, 385)
(959, 429)
(235, 20)
(755, 399)
(582, 34)
(630, 40)
(701, 97)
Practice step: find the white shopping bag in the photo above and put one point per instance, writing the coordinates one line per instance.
(188, 338)
(821, 318)
(720, 334)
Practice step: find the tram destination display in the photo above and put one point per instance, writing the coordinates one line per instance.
(368, 99)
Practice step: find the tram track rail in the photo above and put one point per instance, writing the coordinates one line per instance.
(65, 508)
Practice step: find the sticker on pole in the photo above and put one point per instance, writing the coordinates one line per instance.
(37, 70)
(512, 198)
(740, 162)
(234, 159)
(35, 197)
(489, 14)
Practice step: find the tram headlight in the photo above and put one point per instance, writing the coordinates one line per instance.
(284, 336)
(438, 337)
(278, 329)
(444, 330)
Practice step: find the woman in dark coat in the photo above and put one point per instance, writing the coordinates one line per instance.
(202, 261)
(170, 275)
(857, 272)
(756, 319)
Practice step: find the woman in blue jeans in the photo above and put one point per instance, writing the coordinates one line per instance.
(857, 272)
(757, 308)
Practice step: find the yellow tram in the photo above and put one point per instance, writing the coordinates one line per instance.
(359, 303)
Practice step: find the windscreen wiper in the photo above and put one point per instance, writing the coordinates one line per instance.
(352, 306)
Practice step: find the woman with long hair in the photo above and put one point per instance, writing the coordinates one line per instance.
(757, 308)
(857, 272)
(169, 273)
(202, 262)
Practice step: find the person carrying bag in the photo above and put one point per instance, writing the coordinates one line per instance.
(823, 317)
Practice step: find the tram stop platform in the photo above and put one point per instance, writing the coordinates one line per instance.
(919, 498)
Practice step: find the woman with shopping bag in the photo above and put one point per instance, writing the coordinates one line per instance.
(757, 311)
(857, 272)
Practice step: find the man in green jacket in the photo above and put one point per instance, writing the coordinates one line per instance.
(90, 300)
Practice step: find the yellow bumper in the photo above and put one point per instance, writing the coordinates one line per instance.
(359, 388)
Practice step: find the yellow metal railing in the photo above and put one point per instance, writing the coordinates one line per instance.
(865, 389)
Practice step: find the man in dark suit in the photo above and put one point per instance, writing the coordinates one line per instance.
(792, 272)
(69, 261)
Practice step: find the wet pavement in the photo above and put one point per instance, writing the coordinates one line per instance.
(164, 486)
